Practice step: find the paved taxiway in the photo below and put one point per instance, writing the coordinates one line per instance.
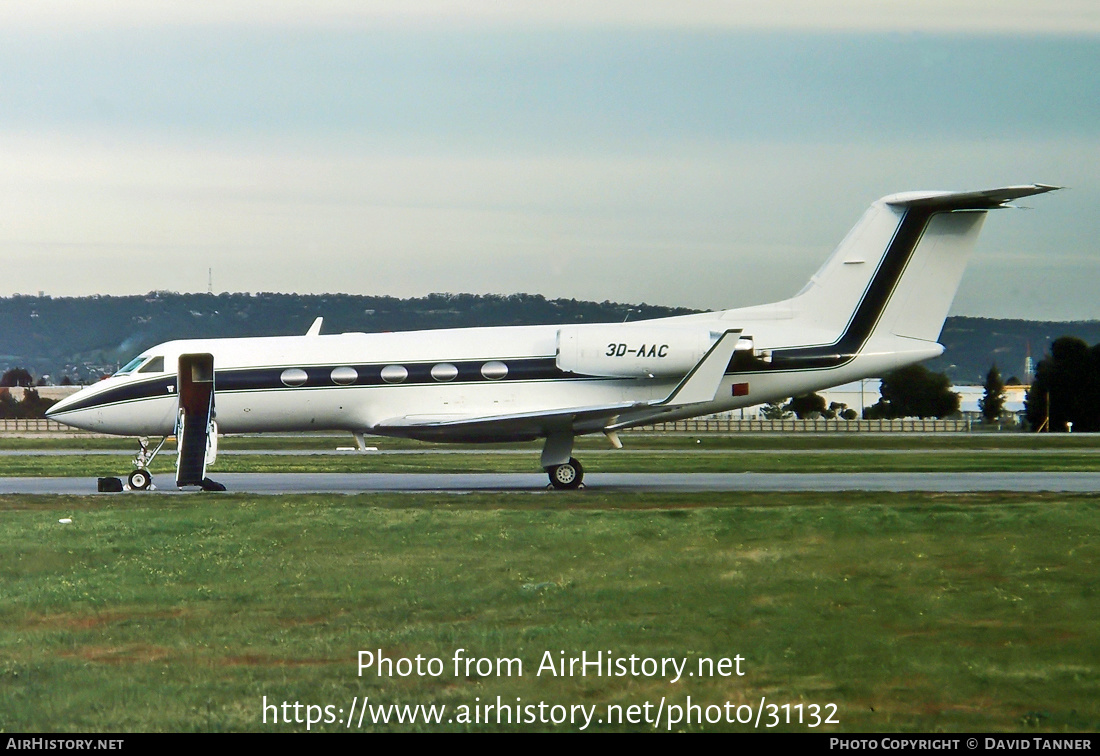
(346, 483)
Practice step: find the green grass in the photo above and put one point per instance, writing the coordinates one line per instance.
(644, 452)
(910, 612)
(632, 439)
(525, 458)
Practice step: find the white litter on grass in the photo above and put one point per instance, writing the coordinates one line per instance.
(352, 448)
(65, 520)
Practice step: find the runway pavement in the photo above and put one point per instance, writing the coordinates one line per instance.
(348, 483)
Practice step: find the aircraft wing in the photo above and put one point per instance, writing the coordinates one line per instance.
(517, 425)
(700, 385)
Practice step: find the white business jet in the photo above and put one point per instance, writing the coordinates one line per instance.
(878, 303)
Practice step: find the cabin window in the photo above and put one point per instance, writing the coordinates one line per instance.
(444, 372)
(155, 365)
(394, 373)
(344, 376)
(494, 370)
(293, 377)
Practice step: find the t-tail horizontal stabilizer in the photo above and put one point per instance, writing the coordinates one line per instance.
(986, 199)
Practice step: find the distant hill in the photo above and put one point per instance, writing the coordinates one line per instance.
(83, 337)
(974, 344)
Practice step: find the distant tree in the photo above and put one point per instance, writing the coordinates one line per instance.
(1035, 407)
(16, 377)
(992, 403)
(806, 406)
(34, 405)
(1070, 378)
(8, 406)
(775, 411)
(849, 414)
(914, 391)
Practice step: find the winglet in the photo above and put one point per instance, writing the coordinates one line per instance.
(702, 383)
(315, 329)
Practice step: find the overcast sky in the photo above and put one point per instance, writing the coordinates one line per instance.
(703, 154)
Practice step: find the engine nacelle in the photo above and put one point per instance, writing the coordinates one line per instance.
(631, 351)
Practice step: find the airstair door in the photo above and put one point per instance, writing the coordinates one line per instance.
(195, 420)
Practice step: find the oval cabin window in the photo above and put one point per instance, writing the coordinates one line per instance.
(494, 370)
(293, 377)
(344, 376)
(394, 374)
(444, 372)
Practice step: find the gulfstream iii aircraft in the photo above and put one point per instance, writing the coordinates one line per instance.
(878, 303)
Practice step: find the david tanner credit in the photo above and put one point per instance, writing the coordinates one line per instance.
(1039, 744)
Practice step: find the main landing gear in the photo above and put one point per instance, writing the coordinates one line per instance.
(564, 470)
(568, 475)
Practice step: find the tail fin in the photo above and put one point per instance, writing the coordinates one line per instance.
(898, 269)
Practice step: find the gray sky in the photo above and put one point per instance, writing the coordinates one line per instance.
(707, 154)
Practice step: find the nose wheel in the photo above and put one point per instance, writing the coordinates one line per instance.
(566, 476)
(140, 480)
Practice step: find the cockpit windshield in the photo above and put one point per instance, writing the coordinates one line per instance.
(130, 366)
(143, 364)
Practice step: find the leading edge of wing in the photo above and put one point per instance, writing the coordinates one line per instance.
(699, 386)
(519, 424)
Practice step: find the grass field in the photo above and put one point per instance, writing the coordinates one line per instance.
(762, 453)
(909, 612)
(632, 439)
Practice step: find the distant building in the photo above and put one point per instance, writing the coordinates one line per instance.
(860, 394)
(45, 392)
(970, 395)
(855, 395)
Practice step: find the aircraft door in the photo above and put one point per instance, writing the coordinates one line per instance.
(195, 420)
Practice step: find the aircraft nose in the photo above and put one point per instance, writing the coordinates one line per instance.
(60, 406)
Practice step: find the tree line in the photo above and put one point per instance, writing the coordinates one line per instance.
(32, 405)
(1065, 394)
(912, 391)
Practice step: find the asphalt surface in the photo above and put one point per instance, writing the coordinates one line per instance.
(348, 483)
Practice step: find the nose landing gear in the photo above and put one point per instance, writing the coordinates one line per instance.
(141, 479)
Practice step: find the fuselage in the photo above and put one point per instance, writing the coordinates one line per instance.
(366, 382)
